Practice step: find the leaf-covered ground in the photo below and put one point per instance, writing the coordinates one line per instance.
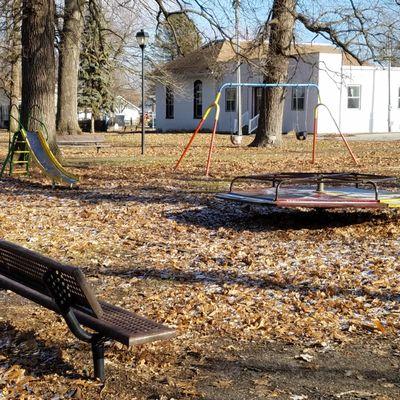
(267, 303)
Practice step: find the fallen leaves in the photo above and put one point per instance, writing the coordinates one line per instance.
(159, 244)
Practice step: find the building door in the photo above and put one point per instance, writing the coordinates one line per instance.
(257, 93)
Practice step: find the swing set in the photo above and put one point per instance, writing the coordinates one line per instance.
(215, 105)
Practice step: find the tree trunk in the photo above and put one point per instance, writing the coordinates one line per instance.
(38, 67)
(272, 102)
(67, 104)
(15, 95)
(15, 73)
(92, 119)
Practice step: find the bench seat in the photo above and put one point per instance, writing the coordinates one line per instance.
(116, 323)
(64, 290)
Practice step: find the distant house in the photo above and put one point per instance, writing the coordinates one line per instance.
(356, 95)
(125, 114)
(126, 110)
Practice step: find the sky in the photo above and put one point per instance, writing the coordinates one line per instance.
(253, 13)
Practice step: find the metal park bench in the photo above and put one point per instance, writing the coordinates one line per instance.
(63, 289)
(97, 141)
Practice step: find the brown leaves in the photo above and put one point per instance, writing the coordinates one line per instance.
(159, 244)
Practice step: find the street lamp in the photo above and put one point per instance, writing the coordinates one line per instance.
(142, 38)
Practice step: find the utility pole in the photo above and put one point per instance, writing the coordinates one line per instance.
(389, 86)
(236, 4)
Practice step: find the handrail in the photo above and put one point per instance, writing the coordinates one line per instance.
(30, 112)
(9, 125)
(318, 178)
(42, 124)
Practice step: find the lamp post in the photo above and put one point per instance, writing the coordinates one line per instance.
(142, 38)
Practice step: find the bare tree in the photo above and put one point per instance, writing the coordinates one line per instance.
(67, 104)
(360, 29)
(38, 66)
(280, 28)
(15, 66)
(10, 57)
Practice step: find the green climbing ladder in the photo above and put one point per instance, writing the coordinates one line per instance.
(18, 156)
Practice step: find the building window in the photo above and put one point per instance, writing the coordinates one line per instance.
(169, 103)
(197, 100)
(298, 98)
(398, 100)
(230, 99)
(354, 96)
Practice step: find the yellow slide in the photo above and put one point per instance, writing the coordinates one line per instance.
(46, 160)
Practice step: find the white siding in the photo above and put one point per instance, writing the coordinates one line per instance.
(303, 71)
(330, 88)
(183, 105)
(373, 114)
(326, 70)
(227, 119)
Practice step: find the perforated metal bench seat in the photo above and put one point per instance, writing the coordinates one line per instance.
(124, 326)
(116, 323)
(63, 289)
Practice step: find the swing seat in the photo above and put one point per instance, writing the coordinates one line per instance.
(236, 140)
(301, 135)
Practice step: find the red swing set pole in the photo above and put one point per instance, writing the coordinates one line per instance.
(199, 125)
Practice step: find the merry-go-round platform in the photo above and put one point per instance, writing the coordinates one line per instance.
(315, 190)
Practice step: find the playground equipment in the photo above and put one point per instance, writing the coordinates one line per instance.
(25, 145)
(215, 105)
(316, 190)
(251, 123)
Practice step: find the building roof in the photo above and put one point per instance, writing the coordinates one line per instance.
(212, 56)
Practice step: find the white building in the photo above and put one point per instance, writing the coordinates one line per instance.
(125, 114)
(356, 95)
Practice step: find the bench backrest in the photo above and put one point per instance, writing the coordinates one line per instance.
(30, 269)
(91, 138)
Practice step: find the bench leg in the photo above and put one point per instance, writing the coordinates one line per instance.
(98, 357)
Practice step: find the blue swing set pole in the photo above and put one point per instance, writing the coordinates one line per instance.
(270, 85)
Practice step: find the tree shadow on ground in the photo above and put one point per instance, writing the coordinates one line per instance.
(202, 209)
(35, 356)
(117, 194)
(233, 277)
(255, 219)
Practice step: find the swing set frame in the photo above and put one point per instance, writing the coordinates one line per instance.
(215, 105)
